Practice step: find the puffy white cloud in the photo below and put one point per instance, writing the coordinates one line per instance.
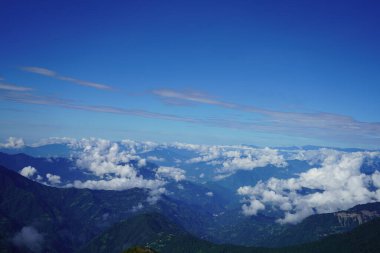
(13, 142)
(28, 171)
(53, 179)
(337, 184)
(29, 238)
(313, 157)
(155, 159)
(229, 159)
(155, 194)
(115, 165)
(103, 157)
(376, 179)
(171, 172)
(55, 140)
(139, 147)
(233, 158)
(118, 183)
(252, 158)
(209, 194)
(253, 207)
(137, 207)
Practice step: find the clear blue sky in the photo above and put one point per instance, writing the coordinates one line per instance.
(257, 72)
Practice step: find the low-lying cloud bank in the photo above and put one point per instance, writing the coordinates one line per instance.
(13, 143)
(336, 184)
(115, 167)
(332, 179)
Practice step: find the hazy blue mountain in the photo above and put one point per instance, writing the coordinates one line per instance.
(49, 150)
(63, 167)
(155, 231)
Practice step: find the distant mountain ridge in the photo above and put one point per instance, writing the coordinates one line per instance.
(154, 231)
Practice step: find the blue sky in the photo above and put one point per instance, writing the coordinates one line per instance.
(216, 72)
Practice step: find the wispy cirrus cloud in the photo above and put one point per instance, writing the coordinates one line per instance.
(319, 124)
(27, 98)
(13, 87)
(53, 74)
(180, 98)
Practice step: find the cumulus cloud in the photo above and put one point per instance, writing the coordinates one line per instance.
(53, 179)
(29, 238)
(251, 159)
(336, 185)
(209, 194)
(139, 146)
(55, 140)
(103, 157)
(155, 159)
(13, 142)
(155, 194)
(229, 159)
(28, 171)
(171, 172)
(115, 165)
(137, 207)
(118, 183)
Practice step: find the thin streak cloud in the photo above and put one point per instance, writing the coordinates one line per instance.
(324, 126)
(53, 74)
(306, 124)
(28, 98)
(13, 87)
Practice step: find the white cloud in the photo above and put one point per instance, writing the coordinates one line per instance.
(28, 171)
(53, 74)
(155, 194)
(171, 172)
(118, 183)
(12, 87)
(55, 140)
(53, 179)
(29, 238)
(253, 207)
(137, 207)
(114, 165)
(251, 159)
(321, 125)
(155, 159)
(103, 157)
(229, 159)
(13, 142)
(139, 147)
(209, 194)
(336, 185)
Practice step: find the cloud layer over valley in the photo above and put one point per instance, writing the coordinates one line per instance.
(302, 181)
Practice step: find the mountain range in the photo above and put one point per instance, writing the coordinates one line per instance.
(186, 199)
